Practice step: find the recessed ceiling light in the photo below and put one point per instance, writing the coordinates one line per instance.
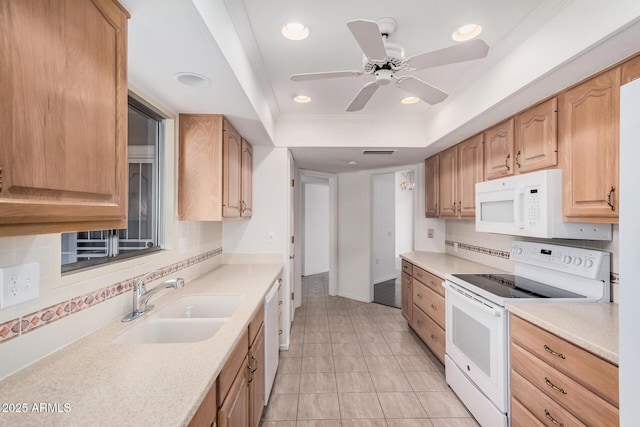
(295, 31)
(193, 80)
(410, 100)
(352, 162)
(302, 99)
(466, 32)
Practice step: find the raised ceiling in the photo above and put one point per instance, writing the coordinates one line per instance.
(537, 47)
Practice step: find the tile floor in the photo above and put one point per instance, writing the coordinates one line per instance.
(357, 364)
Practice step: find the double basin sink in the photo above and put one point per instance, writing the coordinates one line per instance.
(189, 319)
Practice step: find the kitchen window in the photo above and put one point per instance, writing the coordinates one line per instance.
(142, 235)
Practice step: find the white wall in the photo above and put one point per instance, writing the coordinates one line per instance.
(404, 217)
(316, 228)
(384, 223)
(268, 230)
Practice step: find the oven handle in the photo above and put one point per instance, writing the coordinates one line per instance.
(493, 311)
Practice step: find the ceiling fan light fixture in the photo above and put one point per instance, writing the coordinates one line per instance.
(410, 100)
(295, 31)
(466, 32)
(302, 99)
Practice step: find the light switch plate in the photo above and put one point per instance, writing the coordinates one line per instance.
(19, 283)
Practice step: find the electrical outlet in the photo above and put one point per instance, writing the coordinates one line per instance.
(430, 233)
(18, 284)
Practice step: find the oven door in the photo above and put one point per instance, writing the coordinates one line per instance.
(477, 342)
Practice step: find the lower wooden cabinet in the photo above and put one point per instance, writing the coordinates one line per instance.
(430, 332)
(256, 379)
(234, 411)
(557, 382)
(207, 413)
(405, 293)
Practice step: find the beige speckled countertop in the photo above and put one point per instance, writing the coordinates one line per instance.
(147, 384)
(442, 263)
(592, 326)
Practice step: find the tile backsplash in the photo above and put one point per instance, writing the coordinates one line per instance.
(493, 249)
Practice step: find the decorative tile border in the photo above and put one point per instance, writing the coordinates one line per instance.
(615, 277)
(479, 249)
(32, 321)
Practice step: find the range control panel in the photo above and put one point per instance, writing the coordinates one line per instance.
(577, 261)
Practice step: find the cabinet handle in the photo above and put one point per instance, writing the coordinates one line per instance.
(0, 179)
(454, 207)
(611, 205)
(548, 350)
(553, 386)
(506, 161)
(419, 295)
(553, 420)
(279, 331)
(250, 374)
(434, 307)
(459, 207)
(255, 368)
(279, 302)
(433, 337)
(518, 159)
(419, 323)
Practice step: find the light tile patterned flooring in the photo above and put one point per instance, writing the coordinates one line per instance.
(357, 364)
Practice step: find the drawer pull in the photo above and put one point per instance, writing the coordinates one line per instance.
(553, 386)
(548, 350)
(280, 332)
(553, 420)
(434, 307)
(433, 337)
(254, 368)
(419, 323)
(419, 295)
(279, 302)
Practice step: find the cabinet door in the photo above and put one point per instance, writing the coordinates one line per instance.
(406, 293)
(431, 187)
(498, 150)
(590, 115)
(234, 411)
(256, 379)
(200, 162)
(247, 180)
(207, 413)
(448, 182)
(537, 137)
(630, 70)
(63, 116)
(470, 171)
(232, 171)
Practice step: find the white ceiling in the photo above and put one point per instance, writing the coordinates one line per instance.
(537, 47)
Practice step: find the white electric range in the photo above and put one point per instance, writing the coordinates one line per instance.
(477, 345)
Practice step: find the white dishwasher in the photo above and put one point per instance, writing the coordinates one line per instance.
(271, 345)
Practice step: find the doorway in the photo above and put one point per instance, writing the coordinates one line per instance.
(392, 232)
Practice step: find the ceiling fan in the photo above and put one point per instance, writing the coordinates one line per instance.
(384, 59)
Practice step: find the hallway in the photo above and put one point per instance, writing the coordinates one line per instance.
(357, 364)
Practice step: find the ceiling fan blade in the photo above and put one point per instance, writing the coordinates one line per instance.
(423, 90)
(324, 75)
(367, 34)
(449, 55)
(363, 97)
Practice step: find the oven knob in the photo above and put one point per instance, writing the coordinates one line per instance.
(577, 261)
(567, 259)
(588, 263)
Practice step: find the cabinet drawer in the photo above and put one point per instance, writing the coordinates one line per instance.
(233, 365)
(429, 331)
(407, 267)
(521, 417)
(430, 280)
(596, 374)
(256, 323)
(430, 302)
(538, 404)
(406, 296)
(208, 411)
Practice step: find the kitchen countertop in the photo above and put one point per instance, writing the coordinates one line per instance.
(441, 263)
(592, 326)
(145, 384)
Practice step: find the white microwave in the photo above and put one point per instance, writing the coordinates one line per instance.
(530, 205)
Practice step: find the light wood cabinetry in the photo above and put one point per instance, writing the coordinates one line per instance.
(63, 116)
(553, 379)
(256, 378)
(234, 411)
(215, 169)
(536, 137)
(431, 187)
(461, 167)
(498, 150)
(589, 148)
(630, 70)
(207, 413)
(423, 305)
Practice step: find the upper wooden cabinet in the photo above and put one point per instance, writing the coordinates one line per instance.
(431, 187)
(536, 137)
(215, 169)
(630, 70)
(461, 167)
(498, 150)
(589, 148)
(63, 116)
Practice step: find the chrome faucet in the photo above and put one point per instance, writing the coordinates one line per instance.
(141, 296)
